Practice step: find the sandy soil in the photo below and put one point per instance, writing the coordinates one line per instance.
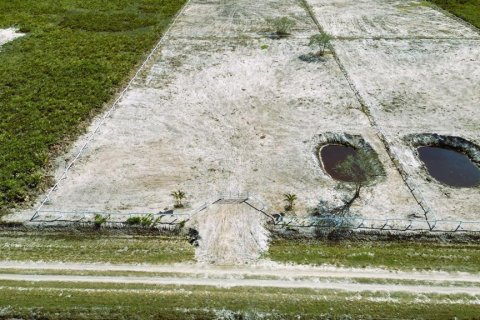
(10, 34)
(280, 276)
(231, 233)
(223, 105)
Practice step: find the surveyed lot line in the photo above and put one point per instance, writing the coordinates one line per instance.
(427, 210)
(109, 112)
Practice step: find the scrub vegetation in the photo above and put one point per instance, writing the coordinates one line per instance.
(43, 246)
(468, 10)
(74, 57)
(125, 301)
(391, 254)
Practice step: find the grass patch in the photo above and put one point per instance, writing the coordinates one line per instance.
(108, 301)
(468, 10)
(94, 248)
(393, 255)
(71, 62)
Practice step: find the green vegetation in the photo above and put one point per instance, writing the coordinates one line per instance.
(94, 248)
(281, 25)
(468, 10)
(290, 199)
(76, 54)
(178, 196)
(321, 42)
(110, 301)
(392, 254)
(99, 220)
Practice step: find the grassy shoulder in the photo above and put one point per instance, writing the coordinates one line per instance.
(468, 10)
(74, 57)
(400, 255)
(108, 301)
(94, 248)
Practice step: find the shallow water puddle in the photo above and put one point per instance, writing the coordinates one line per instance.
(332, 155)
(450, 167)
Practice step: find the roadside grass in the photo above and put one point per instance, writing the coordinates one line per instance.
(94, 248)
(74, 57)
(126, 301)
(468, 10)
(393, 255)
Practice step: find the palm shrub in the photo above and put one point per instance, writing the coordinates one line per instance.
(290, 199)
(178, 196)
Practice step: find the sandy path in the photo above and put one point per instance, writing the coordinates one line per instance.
(345, 286)
(231, 234)
(284, 272)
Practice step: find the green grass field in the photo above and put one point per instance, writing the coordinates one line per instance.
(108, 301)
(94, 248)
(392, 254)
(468, 10)
(74, 57)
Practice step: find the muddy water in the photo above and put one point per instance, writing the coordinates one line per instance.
(332, 155)
(450, 167)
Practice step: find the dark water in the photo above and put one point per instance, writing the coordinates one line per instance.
(450, 167)
(332, 155)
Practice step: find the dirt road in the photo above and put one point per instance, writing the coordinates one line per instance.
(266, 275)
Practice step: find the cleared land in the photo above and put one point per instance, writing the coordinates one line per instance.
(73, 59)
(224, 108)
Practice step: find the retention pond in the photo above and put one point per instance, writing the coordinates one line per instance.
(450, 167)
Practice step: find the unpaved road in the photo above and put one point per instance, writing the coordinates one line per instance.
(345, 286)
(267, 275)
(230, 234)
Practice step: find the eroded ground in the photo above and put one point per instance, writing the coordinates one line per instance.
(222, 107)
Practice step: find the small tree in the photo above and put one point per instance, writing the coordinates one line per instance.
(321, 42)
(178, 196)
(282, 26)
(290, 199)
(362, 168)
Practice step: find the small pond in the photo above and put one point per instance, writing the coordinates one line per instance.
(332, 155)
(450, 167)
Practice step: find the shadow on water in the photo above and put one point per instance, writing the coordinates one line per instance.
(332, 155)
(450, 167)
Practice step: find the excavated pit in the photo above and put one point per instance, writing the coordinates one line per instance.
(333, 148)
(450, 167)
(334, 154)
(450, 160)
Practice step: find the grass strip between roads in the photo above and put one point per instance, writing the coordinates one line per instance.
(94, 248)
(107, 301)
(400, 255)
(74, 57)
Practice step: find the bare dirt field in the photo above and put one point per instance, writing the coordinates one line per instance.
(221, 107)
